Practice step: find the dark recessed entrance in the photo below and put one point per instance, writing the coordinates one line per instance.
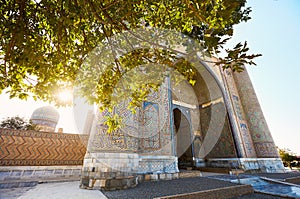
(183, 140)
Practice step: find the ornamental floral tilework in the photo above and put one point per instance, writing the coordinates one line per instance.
(145, 131)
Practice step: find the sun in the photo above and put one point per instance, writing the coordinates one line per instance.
(65, 96)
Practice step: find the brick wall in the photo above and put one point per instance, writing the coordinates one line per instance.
(33, 148)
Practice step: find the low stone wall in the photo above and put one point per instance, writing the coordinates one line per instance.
(34, 148)
(249, 165)
(293, 180)
(39, 173)
(28, 176)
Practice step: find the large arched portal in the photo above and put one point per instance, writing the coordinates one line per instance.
(201, 122)
(184, 139)
(203, 125)
(218, 109)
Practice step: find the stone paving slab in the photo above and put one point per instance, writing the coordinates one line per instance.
(62, 190)
(13, 193)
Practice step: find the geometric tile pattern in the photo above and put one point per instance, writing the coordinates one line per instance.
(260, 133)
(243, 137)
(32, 148)
(224, 147)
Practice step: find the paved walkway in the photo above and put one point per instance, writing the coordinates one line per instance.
(62, 190)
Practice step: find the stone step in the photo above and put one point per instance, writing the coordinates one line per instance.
(236, 171)
(17, 184)
(189, 173)
(215, 170)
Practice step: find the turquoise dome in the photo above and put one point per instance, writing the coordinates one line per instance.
(47, 113)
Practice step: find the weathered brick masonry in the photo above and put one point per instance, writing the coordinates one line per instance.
(33, 148)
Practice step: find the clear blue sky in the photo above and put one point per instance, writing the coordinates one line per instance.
(273, 31)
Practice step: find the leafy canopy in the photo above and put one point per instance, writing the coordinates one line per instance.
(287, 156)
(45, 42)
(18, 123)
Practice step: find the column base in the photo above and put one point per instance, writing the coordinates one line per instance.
(113, 171)
(249, 165)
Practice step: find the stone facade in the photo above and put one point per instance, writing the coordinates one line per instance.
(215, 123)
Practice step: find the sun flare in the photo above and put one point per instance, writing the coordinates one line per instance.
(65, 96)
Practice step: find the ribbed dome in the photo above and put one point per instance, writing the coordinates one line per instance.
(46, 113)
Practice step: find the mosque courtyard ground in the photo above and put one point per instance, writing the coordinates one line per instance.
(209, 185)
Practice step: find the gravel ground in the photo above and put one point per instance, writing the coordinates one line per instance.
(147, 190)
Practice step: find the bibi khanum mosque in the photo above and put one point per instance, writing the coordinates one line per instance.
(217, 123)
